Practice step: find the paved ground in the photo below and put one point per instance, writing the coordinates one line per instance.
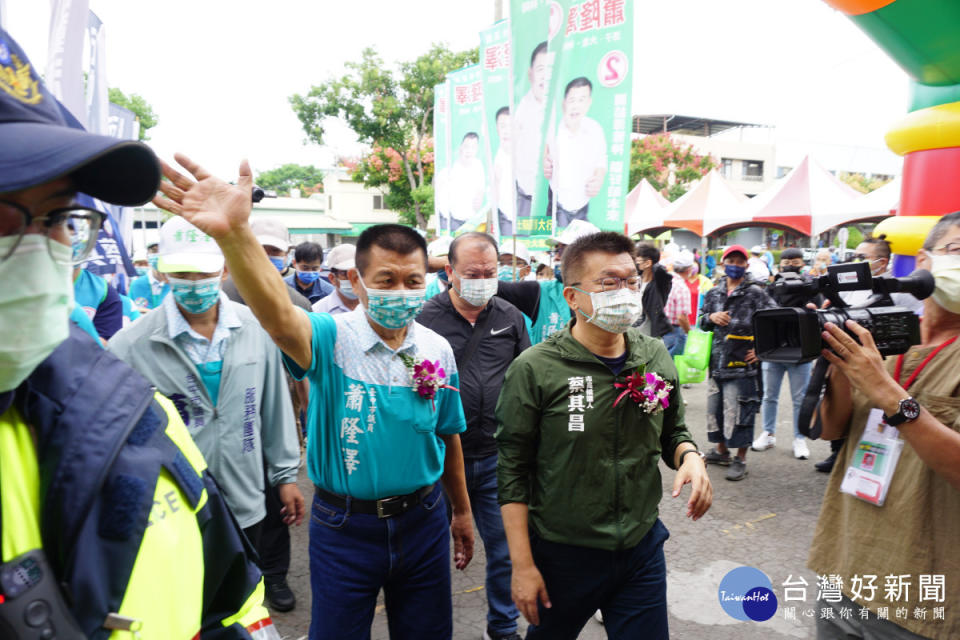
(765, 521)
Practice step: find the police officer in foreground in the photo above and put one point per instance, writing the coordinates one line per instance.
(111, 524)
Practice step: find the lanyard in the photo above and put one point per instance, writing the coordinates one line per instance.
(926, 360)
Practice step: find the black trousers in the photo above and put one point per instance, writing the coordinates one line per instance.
(273, 544)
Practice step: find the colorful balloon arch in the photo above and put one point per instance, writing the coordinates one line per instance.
(923, 37)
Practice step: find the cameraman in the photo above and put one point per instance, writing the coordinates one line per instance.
(876, 251)
(913, 536)
(791, 265)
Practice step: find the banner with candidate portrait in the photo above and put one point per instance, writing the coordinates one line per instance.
(441, 156)
(536, 37)
(495, 74)
(586, 158)
(466, 180)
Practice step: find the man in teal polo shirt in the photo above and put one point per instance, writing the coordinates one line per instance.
(382, 426)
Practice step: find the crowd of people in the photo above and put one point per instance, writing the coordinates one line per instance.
(150, 444)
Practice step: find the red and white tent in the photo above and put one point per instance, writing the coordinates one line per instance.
(879, 203)
(809, 200)
(711, 205)
(644, 209)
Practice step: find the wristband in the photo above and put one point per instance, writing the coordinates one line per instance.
(682, 455)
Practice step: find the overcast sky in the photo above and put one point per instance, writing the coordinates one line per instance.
(218, 73)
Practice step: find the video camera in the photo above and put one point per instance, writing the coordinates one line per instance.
(793, 335)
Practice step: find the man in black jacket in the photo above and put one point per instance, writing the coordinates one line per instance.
(655, 287)
(486, 334)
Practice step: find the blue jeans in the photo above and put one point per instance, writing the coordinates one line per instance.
(629, 587)
(354, 555)
(772, 377)
(675, 341)
(481, 476)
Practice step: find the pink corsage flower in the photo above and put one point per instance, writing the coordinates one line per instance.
(427, 377)
(648, 390)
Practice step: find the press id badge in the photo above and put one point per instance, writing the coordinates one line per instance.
(870, 472)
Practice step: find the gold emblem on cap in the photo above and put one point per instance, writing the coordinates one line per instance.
(18, 81)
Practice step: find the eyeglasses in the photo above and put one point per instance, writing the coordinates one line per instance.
(611, 283)
(79, 224)
(950, 249)
(862, 257)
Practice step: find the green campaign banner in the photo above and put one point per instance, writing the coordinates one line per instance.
(530, 29)
(537, 38)
(441, 154)
(586, 156)
(466, 178)
(495, 74)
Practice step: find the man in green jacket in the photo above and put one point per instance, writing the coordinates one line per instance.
(578, 442)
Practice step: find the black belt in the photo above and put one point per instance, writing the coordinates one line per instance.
(382, 508)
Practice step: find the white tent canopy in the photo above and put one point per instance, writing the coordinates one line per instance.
(644, 208)
(809, 200)
(711, 205)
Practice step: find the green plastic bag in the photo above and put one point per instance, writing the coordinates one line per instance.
(688, 374)
(697, 350)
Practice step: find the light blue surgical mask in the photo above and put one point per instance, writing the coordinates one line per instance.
(153, 259)
(393, 308)
(142, 271)
(346, 290)
(506, 274)
(307, 277)
(279, 263)
(196, 296)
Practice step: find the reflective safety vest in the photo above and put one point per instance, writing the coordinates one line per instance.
(185, 571)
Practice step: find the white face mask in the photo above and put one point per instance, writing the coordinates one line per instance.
(946, 273)
(477, 291)
(614, 311)
(35, 303)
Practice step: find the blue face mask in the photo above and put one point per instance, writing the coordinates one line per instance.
(308, 277)
(506, 274)
(196, 296)
(279, 263)
(733, 271)
(142, 271)
(153, 259)
(393, 308)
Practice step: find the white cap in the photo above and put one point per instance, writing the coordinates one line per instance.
(683, 260)
(520, 250)
(342, 257)
(576, 230)
(756, 249)
(439, 247)
(271, 233)
(183, 247)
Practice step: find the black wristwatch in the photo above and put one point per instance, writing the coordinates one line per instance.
(908, 411)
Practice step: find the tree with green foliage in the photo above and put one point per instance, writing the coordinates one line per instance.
(860, 182)
(308, 179)
(388, 109)
(385, 168)
(140, 107)
(667, 164)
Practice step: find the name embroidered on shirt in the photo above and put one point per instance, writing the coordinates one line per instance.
(580, 389)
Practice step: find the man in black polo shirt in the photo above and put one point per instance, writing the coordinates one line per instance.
(486, 334)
